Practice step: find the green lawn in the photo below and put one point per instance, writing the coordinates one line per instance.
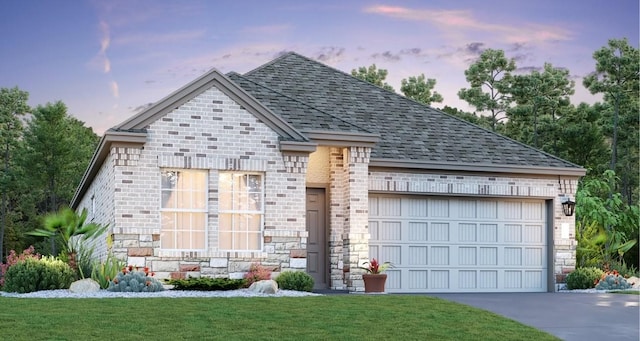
(626, 292)
(340, 317)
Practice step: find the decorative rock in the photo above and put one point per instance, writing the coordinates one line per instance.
(84, 285)
(264, 287)
(634, 281)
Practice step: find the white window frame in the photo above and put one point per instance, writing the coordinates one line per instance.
(187, 210)
(235, 213)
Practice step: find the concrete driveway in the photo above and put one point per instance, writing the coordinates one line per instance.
(569, 316)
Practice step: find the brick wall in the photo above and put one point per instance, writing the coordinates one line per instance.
(209, 132)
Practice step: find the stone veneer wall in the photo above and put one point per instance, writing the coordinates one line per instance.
(209, 132)
(564, 249)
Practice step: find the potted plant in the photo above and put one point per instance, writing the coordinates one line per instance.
(375, 279)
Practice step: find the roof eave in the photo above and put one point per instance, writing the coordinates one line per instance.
(485, 168)
(109, 138)
(339, 138)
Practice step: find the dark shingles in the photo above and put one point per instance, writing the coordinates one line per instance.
(408, 130)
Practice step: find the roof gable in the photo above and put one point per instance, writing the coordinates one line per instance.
(221, 82)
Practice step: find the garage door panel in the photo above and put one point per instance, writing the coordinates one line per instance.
(439, 232)
(459, 253)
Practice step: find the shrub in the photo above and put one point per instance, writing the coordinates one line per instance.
(612, 280)
(207, 284)
(256, 273)
(32, 274)
(14, 258)
(129, 280)
(622, 268)
(583, 278)
(103, 273)
(295, 280)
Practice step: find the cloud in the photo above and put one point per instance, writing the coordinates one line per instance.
(329, 54)
(101, 60)
(114, 89)
(463, 21)
(386, 56)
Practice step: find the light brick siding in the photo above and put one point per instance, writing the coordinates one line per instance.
(564, 249)
(210, 132)
(101, 190)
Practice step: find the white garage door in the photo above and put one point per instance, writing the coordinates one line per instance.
(440, 244)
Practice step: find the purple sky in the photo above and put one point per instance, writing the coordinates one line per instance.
(106, 59)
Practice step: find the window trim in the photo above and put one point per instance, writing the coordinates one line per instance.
(204, 210)
(234, 212)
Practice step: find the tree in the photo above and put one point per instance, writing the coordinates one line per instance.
(56, 149)
(490, 80)
(482, 121)
(617, 77)
(420, 90)
(541, 98)
(373, 75)
(582, 139)
(13, 104)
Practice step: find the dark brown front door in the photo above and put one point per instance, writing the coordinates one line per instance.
(317, 241)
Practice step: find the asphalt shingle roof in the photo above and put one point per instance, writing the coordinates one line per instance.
(311, 95)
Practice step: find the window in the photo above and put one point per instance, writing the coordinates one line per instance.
(183, 209)
(241, 211)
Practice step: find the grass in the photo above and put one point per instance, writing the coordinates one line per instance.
(340, 317)
(626, 292)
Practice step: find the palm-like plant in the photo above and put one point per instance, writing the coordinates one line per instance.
(71, 229)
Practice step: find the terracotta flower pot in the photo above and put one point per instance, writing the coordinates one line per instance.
(374, 283)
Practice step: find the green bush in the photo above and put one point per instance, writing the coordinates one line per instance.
(624, 270)
(32, 274)
(104, 272)
(130, 280)
(207, 284)
(583, 278)
(295, 280)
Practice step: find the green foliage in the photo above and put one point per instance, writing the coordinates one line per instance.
(14, 258)
(207, 284)
(104, 272)
(421, 90)
(71, 229)
(624, 270)
(295, 280)
(605, 225)
(490, 80)
(583, 278)
(541, 98)
(130, 280)
(13, 104)
(612, 281)
(617, 77)
(32, 274)
(256, 273)
(372, 75)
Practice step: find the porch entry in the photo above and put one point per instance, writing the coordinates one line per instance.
(317, 261)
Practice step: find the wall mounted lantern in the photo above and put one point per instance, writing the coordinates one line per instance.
(568, 207)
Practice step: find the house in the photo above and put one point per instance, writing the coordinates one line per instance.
(298, 166)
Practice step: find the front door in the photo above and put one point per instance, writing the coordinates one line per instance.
(317, 241)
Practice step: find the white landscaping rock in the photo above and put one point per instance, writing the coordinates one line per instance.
(264, 287)
(84, 285)
(634, 281)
